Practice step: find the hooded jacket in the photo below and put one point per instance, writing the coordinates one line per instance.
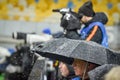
(99, 72)
(96, 35)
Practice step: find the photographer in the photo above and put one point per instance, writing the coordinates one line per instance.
(67, 72)
(94, 29)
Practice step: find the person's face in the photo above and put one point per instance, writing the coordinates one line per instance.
(79, 67)
(84, 19)
(63, 69)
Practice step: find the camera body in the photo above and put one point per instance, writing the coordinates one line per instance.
(70, 20)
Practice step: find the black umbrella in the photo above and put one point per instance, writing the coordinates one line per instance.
(65, 50)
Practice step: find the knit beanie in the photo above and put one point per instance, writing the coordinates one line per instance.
(87, 9)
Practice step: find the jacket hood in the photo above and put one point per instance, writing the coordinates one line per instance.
(99, 72)
(99, 17)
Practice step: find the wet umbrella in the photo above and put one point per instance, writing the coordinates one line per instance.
(65, 50)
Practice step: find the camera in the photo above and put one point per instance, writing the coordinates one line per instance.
(70, 20)
(31, 37)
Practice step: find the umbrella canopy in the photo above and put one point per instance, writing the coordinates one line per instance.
(65, 50)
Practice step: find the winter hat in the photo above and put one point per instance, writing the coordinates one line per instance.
(86, 9)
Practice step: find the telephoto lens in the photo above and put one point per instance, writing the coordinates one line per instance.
(19, 35)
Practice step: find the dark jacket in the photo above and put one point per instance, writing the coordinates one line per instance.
(99, 17)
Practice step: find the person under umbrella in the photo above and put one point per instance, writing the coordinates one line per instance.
(67, 72)
(68, 50)
(82, 68)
